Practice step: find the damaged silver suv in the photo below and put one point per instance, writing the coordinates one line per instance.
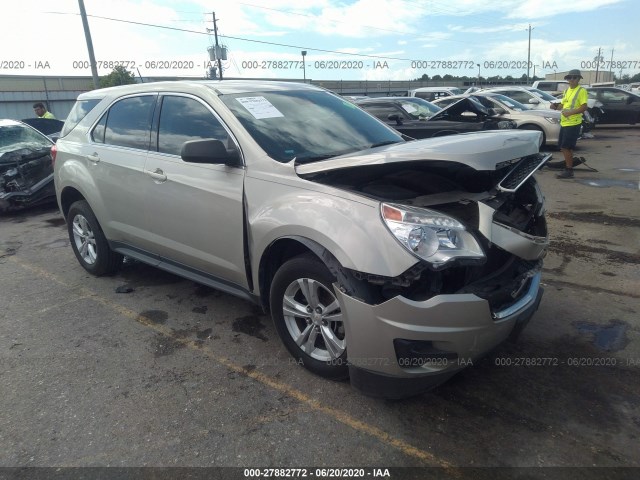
(391, 261)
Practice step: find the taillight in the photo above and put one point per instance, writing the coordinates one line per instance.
(54, 152)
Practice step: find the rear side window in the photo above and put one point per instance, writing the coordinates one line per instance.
(127, 123)
(79, 111)
(183, 119)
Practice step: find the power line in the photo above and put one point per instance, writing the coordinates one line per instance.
(237, 38)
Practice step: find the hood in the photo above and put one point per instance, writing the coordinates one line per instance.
(467, 104)
(479, 150)
(543, 112)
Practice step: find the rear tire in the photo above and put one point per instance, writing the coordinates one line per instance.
(88, 241)
(308, 318)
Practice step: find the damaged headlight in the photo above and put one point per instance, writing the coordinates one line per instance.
(432, 236)
(505, 124)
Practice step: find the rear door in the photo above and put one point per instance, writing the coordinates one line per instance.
(618, 106)
(194, 211)
(115, 159)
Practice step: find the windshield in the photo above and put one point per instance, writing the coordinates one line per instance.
(307, 125)
(509, 102)
(543, 95)
(16, 137)
(418, 108)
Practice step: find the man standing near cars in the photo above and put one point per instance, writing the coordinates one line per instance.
(41, 111)
(572, 105)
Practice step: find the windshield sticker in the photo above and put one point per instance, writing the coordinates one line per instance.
(409, 108)
(260, 107)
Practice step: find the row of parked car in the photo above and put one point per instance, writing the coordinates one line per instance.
(607, 104)
(451, 111)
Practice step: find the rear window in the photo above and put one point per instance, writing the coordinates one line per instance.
(79, 111)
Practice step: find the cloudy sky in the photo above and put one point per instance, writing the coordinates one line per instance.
(348, 39)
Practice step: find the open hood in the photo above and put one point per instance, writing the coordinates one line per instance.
(479, 150)
(466, 104)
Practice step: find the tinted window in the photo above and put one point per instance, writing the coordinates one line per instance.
(614, 96)
(98, 131)
(520, 96)
(382, 111)
(79, 111)
(129, 122)
(183, 119)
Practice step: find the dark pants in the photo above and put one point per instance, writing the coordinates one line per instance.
(569, 137)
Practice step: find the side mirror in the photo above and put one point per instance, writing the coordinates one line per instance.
(395, 117)
(535, 101)
(630, 100)
(209, 151)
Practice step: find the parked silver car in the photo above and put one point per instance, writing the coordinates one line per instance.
(393, 262)
(545, 121)
(531, 97)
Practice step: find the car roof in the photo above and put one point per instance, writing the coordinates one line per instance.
(433, 89)
(7, 122)
(511, 87)
(221, 87)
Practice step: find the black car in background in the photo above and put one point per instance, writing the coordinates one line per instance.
(26, 168)
(618, 105)
(418, 118)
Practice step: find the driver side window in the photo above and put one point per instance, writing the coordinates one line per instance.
(183, 119)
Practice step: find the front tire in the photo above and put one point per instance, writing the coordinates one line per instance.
(88, 241)
(307, 316)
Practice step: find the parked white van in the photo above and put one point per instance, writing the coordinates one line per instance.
(554, 87)
(432, 93)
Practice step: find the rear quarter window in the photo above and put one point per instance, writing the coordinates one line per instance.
(79, 111)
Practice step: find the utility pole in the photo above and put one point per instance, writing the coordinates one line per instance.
(611, 66)
(598, 59)
(87, 36)
(529, 55)
(218, 55)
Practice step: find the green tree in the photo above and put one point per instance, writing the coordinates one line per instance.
(118, 76)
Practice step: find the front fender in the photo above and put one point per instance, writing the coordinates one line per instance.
(349, 227)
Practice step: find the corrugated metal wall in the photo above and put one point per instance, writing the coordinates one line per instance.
(19, 93)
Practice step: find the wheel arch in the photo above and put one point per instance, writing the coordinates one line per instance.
(68, 196)
(537, 128)
(286, 248)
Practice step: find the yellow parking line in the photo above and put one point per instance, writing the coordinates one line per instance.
(266, 380)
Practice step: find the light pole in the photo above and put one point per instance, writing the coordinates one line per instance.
(478, 73)
(304, 70)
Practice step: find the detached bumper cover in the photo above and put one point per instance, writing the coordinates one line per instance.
(461, 324)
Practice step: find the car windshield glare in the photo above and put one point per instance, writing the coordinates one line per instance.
(510, 102)
(419, 109)
(307, 125)
(543, 95)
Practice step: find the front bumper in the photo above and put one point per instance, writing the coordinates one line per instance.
(456, 330)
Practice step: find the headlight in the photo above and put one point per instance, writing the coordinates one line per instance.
(503, 124)
(431, 236)
(552, 120)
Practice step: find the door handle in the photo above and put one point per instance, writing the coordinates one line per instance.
(158, 175)
(94, 157)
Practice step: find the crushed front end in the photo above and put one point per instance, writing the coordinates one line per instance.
(26, 177)
(480, 237)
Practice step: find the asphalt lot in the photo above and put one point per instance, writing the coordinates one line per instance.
(176, 374)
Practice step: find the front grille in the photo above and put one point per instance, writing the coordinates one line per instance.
(522, 171)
